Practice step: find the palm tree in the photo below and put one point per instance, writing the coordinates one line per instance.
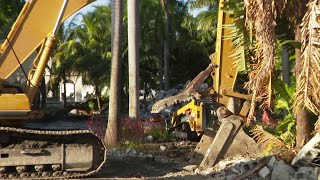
(9, 10)
(84, 45)
(133, 58)
(293, 11)
(92, 35)
(306, 70)
(112, 132)
(166, 49)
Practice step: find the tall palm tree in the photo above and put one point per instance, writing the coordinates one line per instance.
(133, 58)
(306, 69)
(166, 48)
(262, 14)
(293, 11)
(112, 132)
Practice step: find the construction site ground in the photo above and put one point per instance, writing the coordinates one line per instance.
(163, 163)
(152, 158)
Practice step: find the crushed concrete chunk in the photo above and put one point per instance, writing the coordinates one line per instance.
(235, 170)
(131, 152)
(264, 172)
(308, 152)
(149, 138)
(163, 148)
(282, 171)
(309, 170)
(230, 177)
(271, 162)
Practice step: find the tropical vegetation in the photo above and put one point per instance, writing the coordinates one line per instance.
(277, 60)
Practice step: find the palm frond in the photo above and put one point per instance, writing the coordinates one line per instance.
(239, 35)
(272, 144)
(204, 3)
(308, 81)
(262, 13)
(266, 140)
(317, 126)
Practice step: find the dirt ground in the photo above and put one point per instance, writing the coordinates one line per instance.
(160, 164)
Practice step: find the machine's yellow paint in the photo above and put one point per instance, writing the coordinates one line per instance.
(196, 120)
(226, 72)
(35, 22)
(14, 102)
(223, 79)
(32, 29)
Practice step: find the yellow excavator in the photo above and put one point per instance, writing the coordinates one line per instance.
(36, 153)
(206, 114)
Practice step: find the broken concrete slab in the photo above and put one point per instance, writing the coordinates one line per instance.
(282, 171)
(264, 172)
(272, 162)
(229, 140)
(131, 152)
(308, 152)
(163, 148)
(309, 170)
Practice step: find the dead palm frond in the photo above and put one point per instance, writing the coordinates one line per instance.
(308, 82)
(263, 15)
(317, 126)
(269, 142)
(266, 140)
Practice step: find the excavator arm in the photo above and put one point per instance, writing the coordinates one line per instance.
(27, 49)
(221, 131)
(39, 153)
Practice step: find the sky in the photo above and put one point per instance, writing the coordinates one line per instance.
(91, 6)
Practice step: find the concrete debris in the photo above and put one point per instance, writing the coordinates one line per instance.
(231, 177)
(163, 148)
(264, 172)
(190, 168)
(282, 171)
(269, 168)
(149, 138)
(309, 170)
(131, 152)
(272, 162)
(235, 170)
(308, 153)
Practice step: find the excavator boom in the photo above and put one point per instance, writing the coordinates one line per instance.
(221, 131)
(35, 22)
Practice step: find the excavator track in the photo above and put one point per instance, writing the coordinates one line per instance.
(47, 154)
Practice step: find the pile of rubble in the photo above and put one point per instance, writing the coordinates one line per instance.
(262, 168)
(305, 165)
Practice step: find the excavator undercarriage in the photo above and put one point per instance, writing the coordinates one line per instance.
(27, 153)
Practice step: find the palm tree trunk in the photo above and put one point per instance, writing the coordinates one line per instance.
(112, 132)
(98, 96)
(133, 46)
(303, 124)
(165, 7)
(64, 95)
(285, 65)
